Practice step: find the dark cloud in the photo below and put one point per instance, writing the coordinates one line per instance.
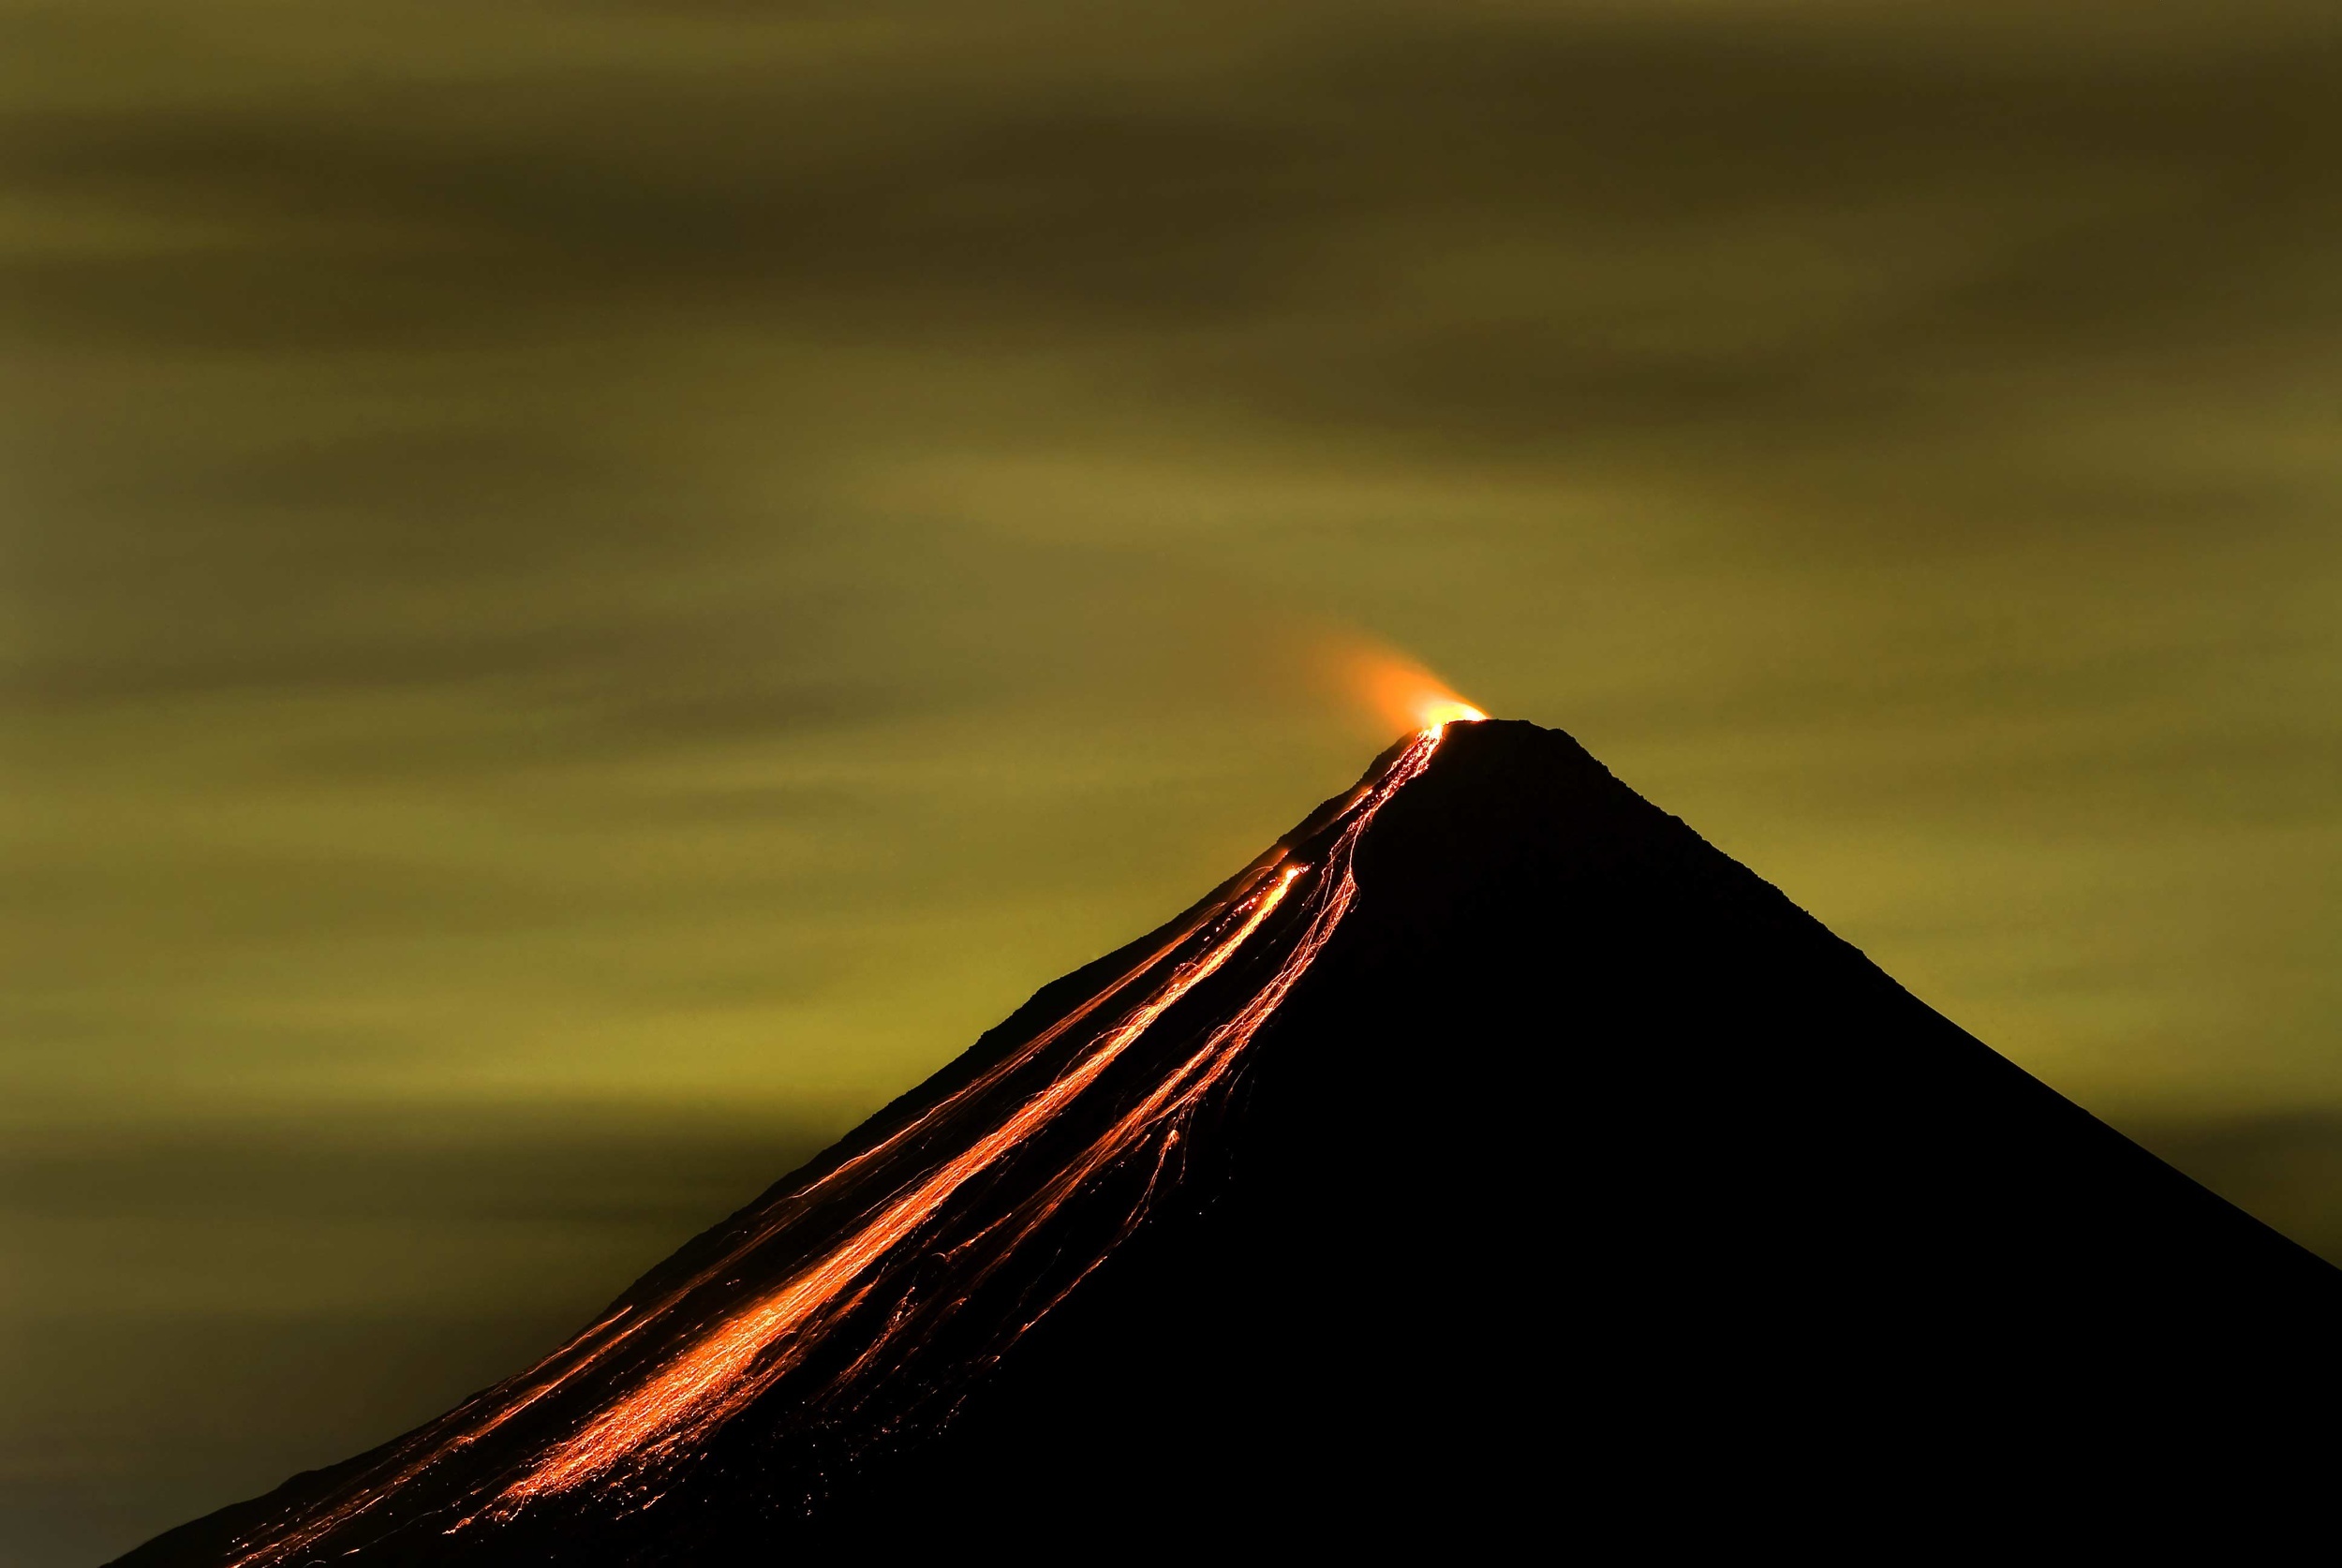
(487, 1165)
(2285, 1169)
(391, 1264)
(2050, 202)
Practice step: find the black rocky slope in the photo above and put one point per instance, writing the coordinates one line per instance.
(1582, 1184)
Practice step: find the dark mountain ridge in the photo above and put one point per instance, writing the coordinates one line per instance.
(1560, 1170)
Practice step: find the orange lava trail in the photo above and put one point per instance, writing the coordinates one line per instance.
(476, 1417)
(723, 1369)
(702, 1386)
(1186, 1085)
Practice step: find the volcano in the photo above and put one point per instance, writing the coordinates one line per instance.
(1491, 1158)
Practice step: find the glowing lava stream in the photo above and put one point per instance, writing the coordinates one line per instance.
(703, 1385)
(703, 1374)
(458, 1430)
(751, 1348)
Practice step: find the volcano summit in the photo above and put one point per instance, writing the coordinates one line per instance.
(1489, 1152)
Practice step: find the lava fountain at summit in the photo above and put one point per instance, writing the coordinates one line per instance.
(1401, 692)
(932, 1239)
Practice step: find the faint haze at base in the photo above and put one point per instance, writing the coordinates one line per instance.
(2287, 1170)
(628, 577)
(201, 1310)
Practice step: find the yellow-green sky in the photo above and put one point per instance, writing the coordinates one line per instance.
(588, 590)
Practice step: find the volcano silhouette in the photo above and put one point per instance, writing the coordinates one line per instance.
(1490, 1155)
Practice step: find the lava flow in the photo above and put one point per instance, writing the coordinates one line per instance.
(711, 1380)
(853, 1289)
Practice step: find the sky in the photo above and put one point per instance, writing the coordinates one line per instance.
(590, 590)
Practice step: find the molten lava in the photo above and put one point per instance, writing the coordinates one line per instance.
(710, 1380)
(834, 1296)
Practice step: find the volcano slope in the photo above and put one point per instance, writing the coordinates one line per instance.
(1492, 1155)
